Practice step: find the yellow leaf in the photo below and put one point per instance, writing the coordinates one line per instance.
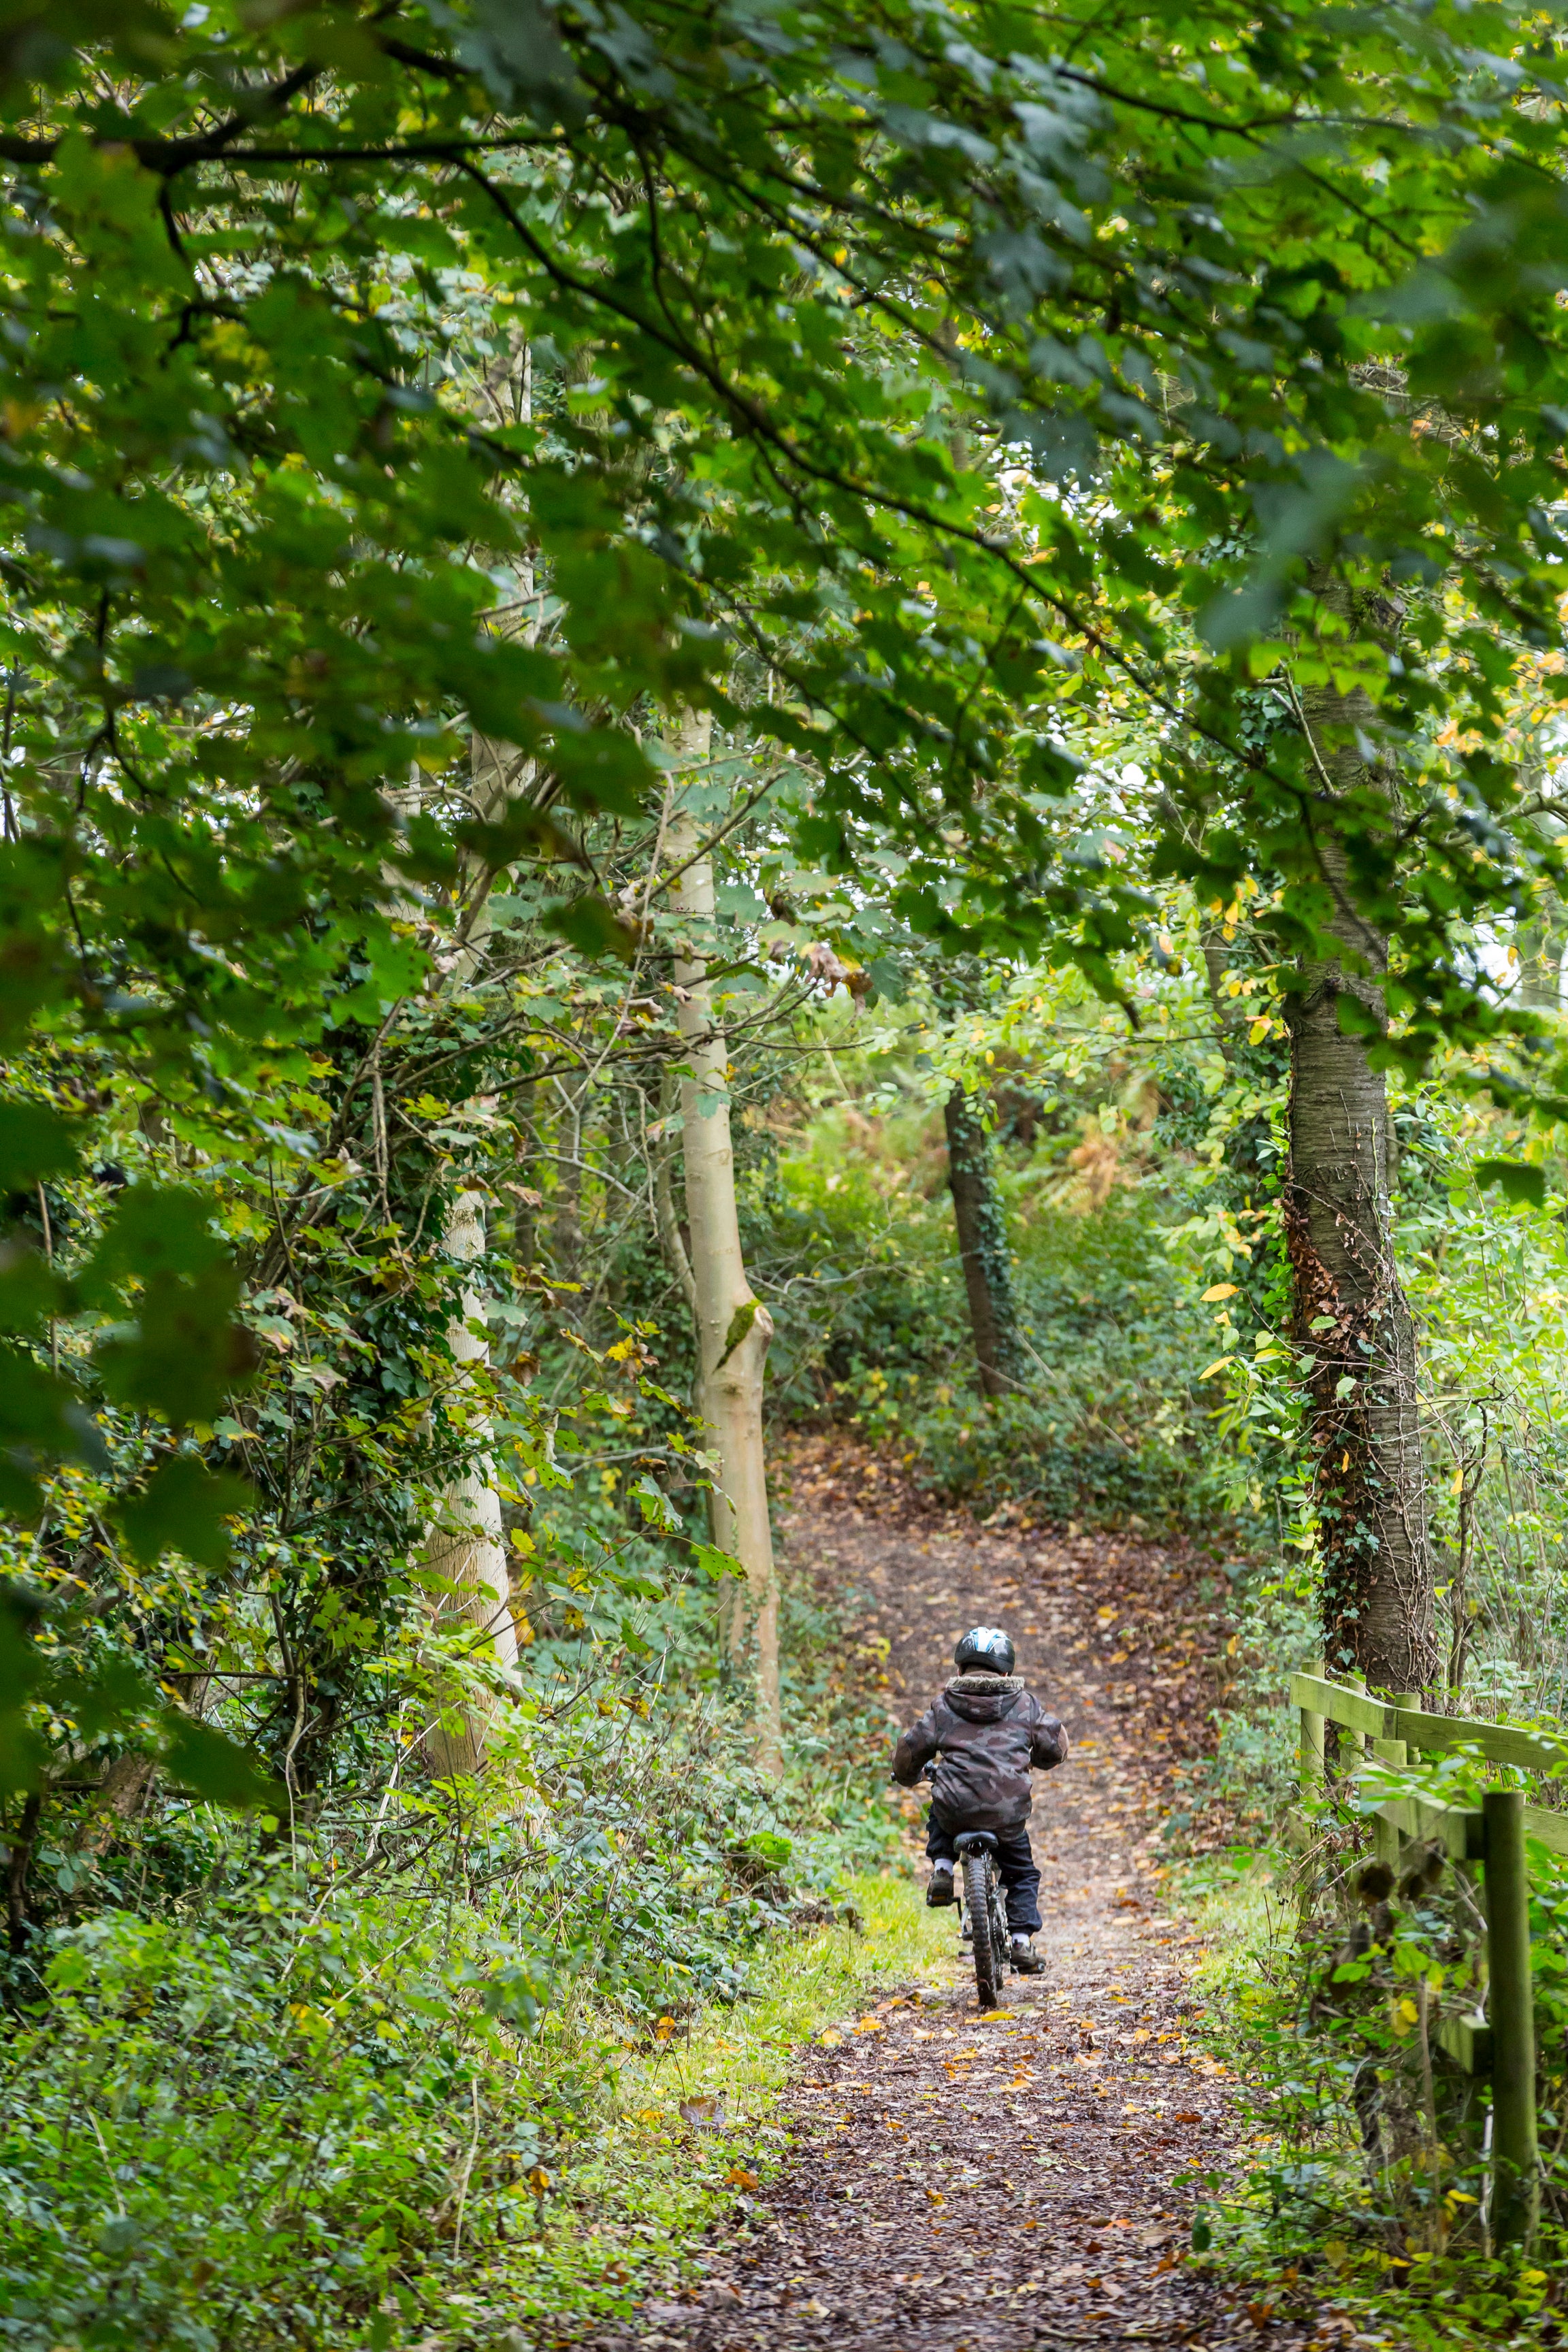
(1222, 1364)
(829, 2040)
(1219, 1290)
(1259, 1030)
(738, 2178)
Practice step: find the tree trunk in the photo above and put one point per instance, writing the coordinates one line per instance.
(733, 1328)
(566, 1229)
(465, 1557)
(1541, 955)
(1378, 1601)
(983, 1248)
(119, 1797)
(465, 1554)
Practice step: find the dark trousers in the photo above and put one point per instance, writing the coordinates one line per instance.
(1015, 1867)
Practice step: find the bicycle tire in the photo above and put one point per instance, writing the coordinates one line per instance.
(1000, 1934)
(977, 1896)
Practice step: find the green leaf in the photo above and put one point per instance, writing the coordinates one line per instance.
(1516, 1180)
(43, 40)
(655, 1506)
(23, 1673)
(211, 1766)
(41, 1420)
(156, 1229)
(769, 1848)
(113, 1693)
(34, 1142)
(591, 925)
(183, 1508)
(185, 1355)
(709, 1561)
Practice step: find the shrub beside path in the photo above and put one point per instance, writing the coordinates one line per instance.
(956, 2182)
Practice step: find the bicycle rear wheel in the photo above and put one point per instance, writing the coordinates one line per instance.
(1000, 1936)
(977, 1897)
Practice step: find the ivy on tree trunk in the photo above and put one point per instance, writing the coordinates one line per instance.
(1351, 1315)
(983, 1247)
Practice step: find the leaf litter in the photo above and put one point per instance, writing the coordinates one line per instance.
(956, 2179)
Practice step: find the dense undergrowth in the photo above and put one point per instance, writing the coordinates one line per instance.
(315, 2121)
(1109, 1428)
(311, 2085)
(1359, 2189)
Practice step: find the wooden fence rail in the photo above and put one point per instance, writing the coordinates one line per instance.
(1501, 2044)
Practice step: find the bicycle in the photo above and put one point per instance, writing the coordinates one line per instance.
(984, 1916)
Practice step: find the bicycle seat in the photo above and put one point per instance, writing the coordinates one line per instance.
(974, 1842)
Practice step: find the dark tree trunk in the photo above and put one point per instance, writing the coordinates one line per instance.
(18, 1914)
(983, 1248)
(1350, 1312)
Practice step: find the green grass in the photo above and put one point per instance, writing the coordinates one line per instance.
(1234, 1902)
(651, 2180)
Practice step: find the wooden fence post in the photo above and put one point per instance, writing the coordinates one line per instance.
(1516, 2183)
(1312, 1756)
(1384, 1836)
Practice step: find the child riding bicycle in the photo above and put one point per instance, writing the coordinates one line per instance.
(985, 1731)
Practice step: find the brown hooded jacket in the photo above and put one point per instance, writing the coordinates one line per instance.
(985, 1731)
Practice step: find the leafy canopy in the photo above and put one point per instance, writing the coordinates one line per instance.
(904, 381)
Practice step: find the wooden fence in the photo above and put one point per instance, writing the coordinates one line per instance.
(1499, 2044)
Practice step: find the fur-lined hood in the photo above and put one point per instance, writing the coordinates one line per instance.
(979, 1698)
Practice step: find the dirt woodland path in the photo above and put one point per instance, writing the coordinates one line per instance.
(953, 2183)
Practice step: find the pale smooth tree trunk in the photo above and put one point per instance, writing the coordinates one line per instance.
(465, 1555)
(465, 1550)
(1378, 1599)
(732, 1326)
(462, 1558)
(983, 1247)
